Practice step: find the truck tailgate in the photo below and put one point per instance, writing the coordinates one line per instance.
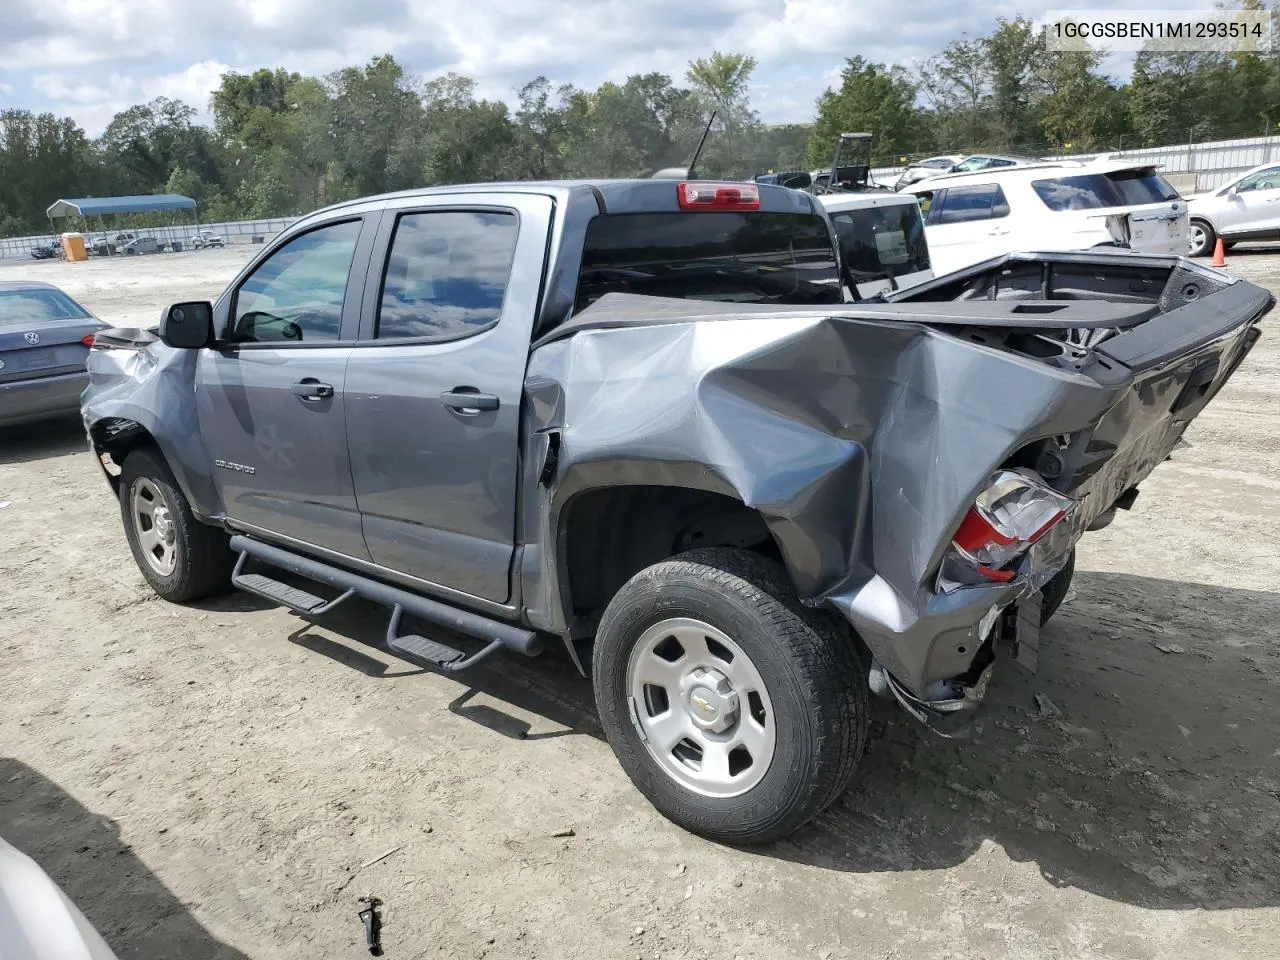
(1164, 333)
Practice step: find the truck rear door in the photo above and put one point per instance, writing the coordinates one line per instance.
(434, 386)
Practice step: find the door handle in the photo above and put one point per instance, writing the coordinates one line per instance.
(997, 233)
(468, 400)
(310, 388)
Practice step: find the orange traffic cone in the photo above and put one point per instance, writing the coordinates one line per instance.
(1219, 254)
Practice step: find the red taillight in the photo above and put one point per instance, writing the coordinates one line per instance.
(88, 340)
(699, 195)
(1010, 515)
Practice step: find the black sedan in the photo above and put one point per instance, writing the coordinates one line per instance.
(44, 342)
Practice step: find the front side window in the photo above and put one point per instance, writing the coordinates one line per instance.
(447, 273)
(296, 294)
(971, 202)
(1268, 179)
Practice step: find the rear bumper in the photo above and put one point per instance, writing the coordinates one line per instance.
(46, 398)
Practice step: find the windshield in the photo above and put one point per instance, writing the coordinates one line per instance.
(24, 308)
(731, 256)
(1094, 191)
(881, 242)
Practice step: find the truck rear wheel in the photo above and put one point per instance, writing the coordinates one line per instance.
(182, 558)
(737, 712)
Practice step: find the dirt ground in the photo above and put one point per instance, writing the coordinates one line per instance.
(224, 781)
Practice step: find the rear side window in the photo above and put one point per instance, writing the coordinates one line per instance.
(1094, 191)
(984, 201)
(742, 257)
(447, 273)
(37, 305)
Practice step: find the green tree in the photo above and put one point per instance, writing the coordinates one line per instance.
(1015, 54)
(871, 98)
(376, 119)
(956, 86)
(1084, 110)
(721, 84)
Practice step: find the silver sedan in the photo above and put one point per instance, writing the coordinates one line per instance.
(45, 338)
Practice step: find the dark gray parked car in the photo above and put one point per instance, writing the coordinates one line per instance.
(44, 343)
(635, 418)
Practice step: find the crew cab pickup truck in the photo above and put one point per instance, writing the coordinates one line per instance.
(636, 420)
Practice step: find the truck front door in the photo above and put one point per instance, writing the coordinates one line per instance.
(434, 387)
(270, 397)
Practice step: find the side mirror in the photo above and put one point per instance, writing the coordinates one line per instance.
(188, 326)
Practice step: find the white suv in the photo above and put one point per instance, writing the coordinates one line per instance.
(1060, 205)
(1247, 208)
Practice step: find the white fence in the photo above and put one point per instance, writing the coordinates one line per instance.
(1194, 167)
(234, 231)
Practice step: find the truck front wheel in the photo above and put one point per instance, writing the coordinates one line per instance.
(737, 712)
(180, 557)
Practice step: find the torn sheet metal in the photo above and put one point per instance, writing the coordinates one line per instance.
(863, 440)
(138, 380)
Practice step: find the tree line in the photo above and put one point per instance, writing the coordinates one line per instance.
(282, 143)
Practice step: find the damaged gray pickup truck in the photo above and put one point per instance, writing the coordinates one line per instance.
(638, 418)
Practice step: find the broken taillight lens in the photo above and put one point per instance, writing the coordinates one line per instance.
(1010, 515)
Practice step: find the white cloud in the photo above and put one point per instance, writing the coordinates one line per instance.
(93, 104)
(93, 57)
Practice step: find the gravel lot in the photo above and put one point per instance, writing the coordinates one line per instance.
(225, 781)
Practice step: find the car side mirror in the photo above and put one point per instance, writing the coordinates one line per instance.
(188, 326)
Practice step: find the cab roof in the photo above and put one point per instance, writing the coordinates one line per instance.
(611, 196)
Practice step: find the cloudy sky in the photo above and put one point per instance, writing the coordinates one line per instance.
(90, 58)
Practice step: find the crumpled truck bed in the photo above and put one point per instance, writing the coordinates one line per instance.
(862, 434)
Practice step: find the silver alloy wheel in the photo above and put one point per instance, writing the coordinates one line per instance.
(153, 523)
(701, 707)
(1197, 239)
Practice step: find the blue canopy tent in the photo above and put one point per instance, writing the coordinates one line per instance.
(100, 207)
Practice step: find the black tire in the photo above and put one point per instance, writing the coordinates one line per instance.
(1210, 238)
(1055, 591)
(810, 669)
(203, 554)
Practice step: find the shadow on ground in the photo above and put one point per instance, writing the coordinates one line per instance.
(126, 903)
(1158, 785)
(43, 441)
